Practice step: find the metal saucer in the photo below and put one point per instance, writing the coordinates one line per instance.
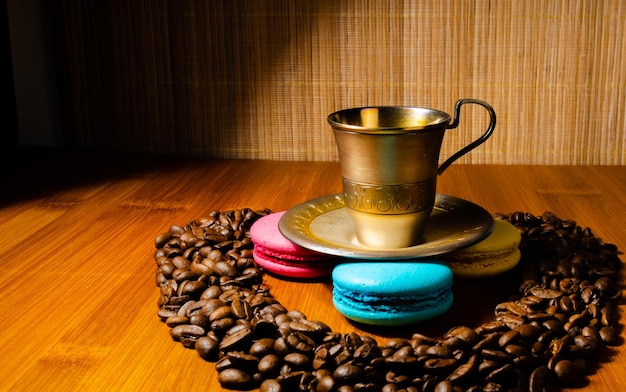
(323, 225)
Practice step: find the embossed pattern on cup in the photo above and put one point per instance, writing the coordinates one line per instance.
(389, 199)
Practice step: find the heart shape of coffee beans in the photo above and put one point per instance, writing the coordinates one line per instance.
(546, 335)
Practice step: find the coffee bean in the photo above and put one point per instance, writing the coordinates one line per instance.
(567, 372)
(508, 337)
(185, 331)
(465, 371)
(439, 351)
(401, 362)
(162, 239)
(199, 320)
(488, 341)
(313, 329)
(528, 331)
(492, 326)
(207, 348)
(515, 350)
(366, 387)
(584, 345)
(164, 314)
(262, 347)
(347, 374)
(540, 380)
(230, 294)
(179, 300)
(237, 341)
(609, 336)
(460, 338)
(297, 361)
(166, 269)
(241, 309)
(270, 385)
(221, 313)
(223, 268)
(250, 275)
(211, 292)
(367, 353)
(326, 384)
(538, 349)
(176, 320)
(210, 305)
(222, 326)
(269, 365)
(545, 293)
(486, 366)
(440, 365)
(240, 360)
(510, 320)
(300, 342)
(235, 379)
(496, 355)
(296, 380)
(390, 387)
(501, 375)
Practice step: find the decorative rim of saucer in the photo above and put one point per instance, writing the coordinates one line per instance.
(323, 225)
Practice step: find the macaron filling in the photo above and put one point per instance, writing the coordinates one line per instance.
(291, 258)
(394, 304)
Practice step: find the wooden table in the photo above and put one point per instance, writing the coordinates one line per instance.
(78, 295)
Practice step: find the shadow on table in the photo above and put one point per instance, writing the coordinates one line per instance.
(35, 172)
(474, 304)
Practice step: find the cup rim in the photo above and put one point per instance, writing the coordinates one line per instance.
(441, 119)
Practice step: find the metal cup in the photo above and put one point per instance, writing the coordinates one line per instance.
(389, 165)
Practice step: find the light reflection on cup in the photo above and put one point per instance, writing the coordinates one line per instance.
(389, 165)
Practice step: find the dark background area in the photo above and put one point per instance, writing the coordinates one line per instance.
(256, 79)
(9, 131)
(30, 43)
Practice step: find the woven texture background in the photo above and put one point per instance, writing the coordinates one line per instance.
(257, 79)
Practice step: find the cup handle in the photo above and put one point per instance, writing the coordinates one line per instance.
(475, 143)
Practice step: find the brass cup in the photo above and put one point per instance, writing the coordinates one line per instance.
(389, 165)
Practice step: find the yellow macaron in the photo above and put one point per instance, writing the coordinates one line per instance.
(497, 253)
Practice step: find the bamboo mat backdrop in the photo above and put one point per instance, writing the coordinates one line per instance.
(257, 79)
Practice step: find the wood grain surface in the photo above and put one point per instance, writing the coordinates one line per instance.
(77, 292)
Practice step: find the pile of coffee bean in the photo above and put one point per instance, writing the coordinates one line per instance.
(547, 334)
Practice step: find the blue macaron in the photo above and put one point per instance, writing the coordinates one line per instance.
(392, 292)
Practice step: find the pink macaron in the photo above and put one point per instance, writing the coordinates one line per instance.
(279, 256)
